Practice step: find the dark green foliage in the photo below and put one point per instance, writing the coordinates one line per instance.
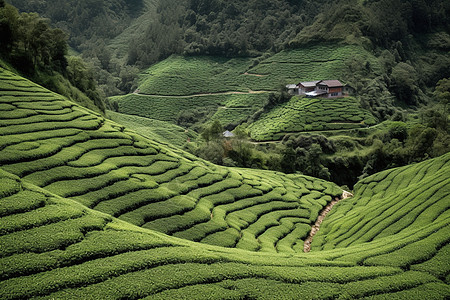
(442, 92)
(250, 27)
(398, 130)
(86, 19)
(213, 132)
(33, 41)
(275, 99)
(83, 78)
(404, 83)
(36, 49)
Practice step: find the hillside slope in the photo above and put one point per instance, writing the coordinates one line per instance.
(391, 203)
(57, 145)
(55, 247)
(161, 131)
(233, 90)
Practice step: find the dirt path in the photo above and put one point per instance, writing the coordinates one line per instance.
(235, 108)
(266, 142)
(321, 217)
(203, 95)
(257, 75)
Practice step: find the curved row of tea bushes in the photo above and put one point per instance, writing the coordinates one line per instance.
(392, 203)
(82, 156)
(55, 248)
(311, 114)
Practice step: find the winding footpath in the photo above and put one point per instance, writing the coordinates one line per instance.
(203, 94)
(320, 218)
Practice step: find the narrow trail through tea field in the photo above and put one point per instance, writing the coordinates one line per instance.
(204, 94)
(320, 218)
(256, 75)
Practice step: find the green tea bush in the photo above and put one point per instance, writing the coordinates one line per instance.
(13, 202)
(38, 217)
(295, 236)
(48, 237)
(131, 201)
(409, 255)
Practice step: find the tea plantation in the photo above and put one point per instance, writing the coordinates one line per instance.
(310, 114)
(226, 107)
(233, 90)
(163, 132)
(92, 210)
(61, 147)
(394, 202)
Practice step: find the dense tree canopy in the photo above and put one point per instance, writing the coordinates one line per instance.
(30, 42)
(38, 50)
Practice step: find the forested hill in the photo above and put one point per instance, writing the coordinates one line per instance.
(118, 36)
(239, 27)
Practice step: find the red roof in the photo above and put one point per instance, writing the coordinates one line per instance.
(331, 83)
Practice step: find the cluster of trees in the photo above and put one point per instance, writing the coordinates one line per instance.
(244, 27)
(89, 22)
(91, 26)
(302, 154)
(33, 47)
(414, 141)
(29, 42)
(218, 27)
(236, 151)
(384, 22)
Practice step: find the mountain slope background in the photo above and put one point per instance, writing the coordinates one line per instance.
(251, 28)
(75, 185)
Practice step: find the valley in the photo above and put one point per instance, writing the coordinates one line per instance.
(224, 149)
(75, 188)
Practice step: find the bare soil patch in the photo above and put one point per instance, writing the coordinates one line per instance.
(321, 217)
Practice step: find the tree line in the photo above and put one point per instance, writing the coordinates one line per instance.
(250, 28)
(39, 51)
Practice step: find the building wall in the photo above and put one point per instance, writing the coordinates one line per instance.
(334, 95)
(335, 90)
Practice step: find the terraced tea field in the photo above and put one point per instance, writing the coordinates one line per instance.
(394, 202)
(232, 90)
(310, 114)
(186, 76)
(227, 107)
(55, 248)
(73, 187)
(316, 62)
(66, 150)
(163, 132)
